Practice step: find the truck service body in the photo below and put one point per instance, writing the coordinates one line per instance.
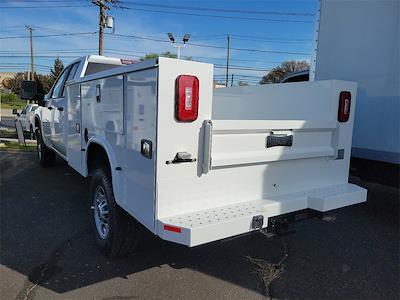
(193, 164)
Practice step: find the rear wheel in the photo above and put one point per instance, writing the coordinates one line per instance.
(46, 157)
(116, 232)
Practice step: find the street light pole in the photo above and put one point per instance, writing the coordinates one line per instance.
(179, 50)
(185, 39)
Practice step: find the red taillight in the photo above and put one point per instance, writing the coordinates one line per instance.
(172, 228)
(344, 106)
(187, 98)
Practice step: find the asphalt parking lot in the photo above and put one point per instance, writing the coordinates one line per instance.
(47, 249)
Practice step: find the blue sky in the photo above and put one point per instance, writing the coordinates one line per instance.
(264, 27)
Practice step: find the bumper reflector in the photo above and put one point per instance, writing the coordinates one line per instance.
(172, 228)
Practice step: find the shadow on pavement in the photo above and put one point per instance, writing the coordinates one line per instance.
(46, 235)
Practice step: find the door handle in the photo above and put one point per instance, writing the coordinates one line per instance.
(50, 107)
(60, 108)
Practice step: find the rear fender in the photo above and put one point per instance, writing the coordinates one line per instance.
(101, 141)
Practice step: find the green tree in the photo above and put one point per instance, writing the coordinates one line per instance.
(9, 98)
(43, 83)
(278, 73)
(149, 56)
(156, 55)
(16, 82)
(169, 54)
(57, 68)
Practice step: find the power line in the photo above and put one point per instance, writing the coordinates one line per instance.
(214, 46)
(270, 38)
(40, 56)
(24, 64)
(252, 50)
(240, 68)
(216, 16)
(237, 75)
(138, 54)
(47, 35)
(242, 11)
(162, 11)
(42, 7)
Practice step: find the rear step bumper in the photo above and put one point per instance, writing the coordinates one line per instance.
(200, 227)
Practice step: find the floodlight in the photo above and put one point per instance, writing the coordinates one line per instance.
(186, 38)
(171, 37)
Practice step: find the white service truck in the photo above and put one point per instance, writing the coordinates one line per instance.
(192, 164)
(27, 119)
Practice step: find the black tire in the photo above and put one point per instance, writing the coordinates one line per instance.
(117, 234)
(32, 134)
(46, 156)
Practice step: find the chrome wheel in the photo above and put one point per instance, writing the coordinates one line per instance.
(100, 210)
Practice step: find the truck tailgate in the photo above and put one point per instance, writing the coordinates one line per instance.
(240, 142)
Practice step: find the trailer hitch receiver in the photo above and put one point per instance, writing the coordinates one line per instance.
(257, 222)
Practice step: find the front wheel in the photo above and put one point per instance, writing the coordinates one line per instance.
(31, 133)
(116, 232)
(46, 157)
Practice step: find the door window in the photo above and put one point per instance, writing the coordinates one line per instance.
(58, 87)
(71, 76)
(72, 73)
(23, 112)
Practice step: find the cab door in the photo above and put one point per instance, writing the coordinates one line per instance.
(58, 112)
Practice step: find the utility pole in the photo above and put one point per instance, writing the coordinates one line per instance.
(232, 80)
(102, 17)
(32, 76)
(227, 60)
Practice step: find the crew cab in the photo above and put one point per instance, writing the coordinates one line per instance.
(194, 164)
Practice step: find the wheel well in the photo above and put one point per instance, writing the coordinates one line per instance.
(97, 158)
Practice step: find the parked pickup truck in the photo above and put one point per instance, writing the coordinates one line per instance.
(192, 164)
(27, 119)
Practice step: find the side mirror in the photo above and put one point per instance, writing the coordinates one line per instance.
(28, 90)
(18, 114)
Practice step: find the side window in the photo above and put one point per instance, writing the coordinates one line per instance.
(58, 87)
(71, 75)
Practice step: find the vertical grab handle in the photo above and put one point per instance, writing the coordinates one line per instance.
(207, 146)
